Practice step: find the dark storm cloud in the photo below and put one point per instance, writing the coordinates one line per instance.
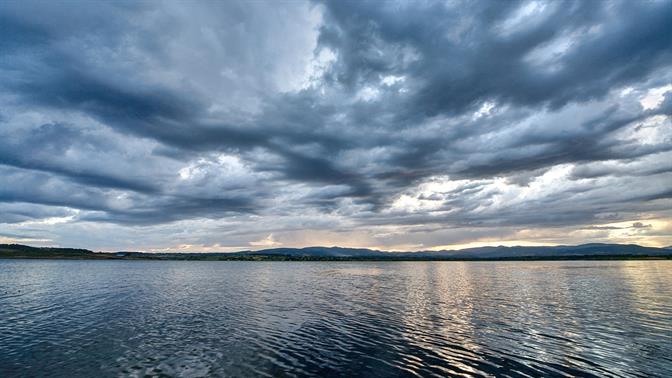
(132, 112)
(169, 209)
(452, 75)
(99, 203)
(484, 61)
(35, 149)
(21, 212)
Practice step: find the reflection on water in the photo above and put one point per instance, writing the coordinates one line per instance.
(138, 318)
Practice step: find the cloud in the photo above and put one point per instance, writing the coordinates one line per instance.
(640, 225)
(266, 242)
(333, 118)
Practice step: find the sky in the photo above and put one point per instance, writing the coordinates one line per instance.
(397, 125)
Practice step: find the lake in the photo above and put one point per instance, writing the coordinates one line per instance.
(180, 318)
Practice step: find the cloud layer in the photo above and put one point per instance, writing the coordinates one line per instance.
(401, 125)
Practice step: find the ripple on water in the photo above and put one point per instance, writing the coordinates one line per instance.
(195, 319)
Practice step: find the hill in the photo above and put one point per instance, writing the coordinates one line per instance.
(24, 251)
(563, 252)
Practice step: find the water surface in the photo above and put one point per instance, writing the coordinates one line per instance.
(191, 319)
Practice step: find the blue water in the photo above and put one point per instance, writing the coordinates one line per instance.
(193, 319)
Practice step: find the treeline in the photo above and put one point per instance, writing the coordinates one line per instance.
(18, 251)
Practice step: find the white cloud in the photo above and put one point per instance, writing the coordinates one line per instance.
(654, 97)
(268, 241)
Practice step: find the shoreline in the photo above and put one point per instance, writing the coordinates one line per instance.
(276, 258)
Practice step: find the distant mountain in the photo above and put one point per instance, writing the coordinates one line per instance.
(593, 250)
(318, 252)
(584, 250)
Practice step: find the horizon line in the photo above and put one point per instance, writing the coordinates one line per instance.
(341, 247)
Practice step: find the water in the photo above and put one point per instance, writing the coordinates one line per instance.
(138, 318)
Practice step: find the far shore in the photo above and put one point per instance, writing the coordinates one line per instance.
(261, 258)
(593, 251)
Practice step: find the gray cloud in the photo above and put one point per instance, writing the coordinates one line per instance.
(146, 114)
